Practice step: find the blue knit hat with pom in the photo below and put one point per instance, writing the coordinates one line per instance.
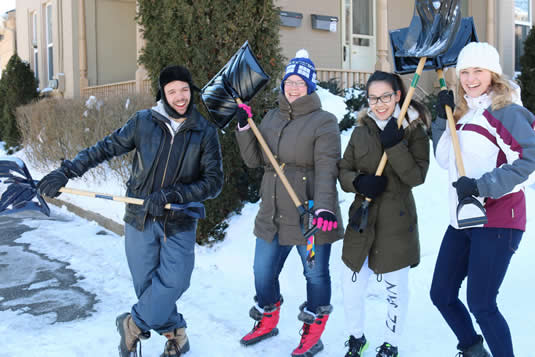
(302, 66)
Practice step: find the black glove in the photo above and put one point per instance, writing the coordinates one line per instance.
(391, 134)
(52, 182)
(155, 203)
(370, 186)
(445, 97)
(466, 187)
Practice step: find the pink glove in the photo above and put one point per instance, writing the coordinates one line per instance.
(244, 112)
(247, 109)
(325, 220)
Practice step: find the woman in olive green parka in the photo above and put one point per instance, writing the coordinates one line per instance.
(389, 245)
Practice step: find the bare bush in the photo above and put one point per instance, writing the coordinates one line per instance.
(57, 128)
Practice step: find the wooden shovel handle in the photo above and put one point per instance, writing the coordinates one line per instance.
(135, 201)
(403, 111)
(272, 160)
(453, 130)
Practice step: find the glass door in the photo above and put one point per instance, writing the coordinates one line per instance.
(359, 47)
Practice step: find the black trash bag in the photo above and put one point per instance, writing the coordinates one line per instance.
(403, 65)
(242, 77)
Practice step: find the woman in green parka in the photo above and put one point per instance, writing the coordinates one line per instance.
(389, 245)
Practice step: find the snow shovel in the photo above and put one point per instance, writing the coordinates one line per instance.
(22, 189)
(430, 33)
(239, 80)
(470, 211)
(242, 77)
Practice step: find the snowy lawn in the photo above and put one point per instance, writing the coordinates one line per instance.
(216, 305)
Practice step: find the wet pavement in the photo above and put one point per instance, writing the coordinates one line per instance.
(32, 283)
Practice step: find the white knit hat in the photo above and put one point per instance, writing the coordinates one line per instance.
(479, 54)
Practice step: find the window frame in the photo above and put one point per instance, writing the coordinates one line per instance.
(49, 40)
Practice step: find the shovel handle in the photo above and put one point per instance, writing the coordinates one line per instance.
(272, 160)
(402, 112)
(135, 201)
(453, 130)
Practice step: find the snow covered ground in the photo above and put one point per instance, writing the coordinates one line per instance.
(216, 305)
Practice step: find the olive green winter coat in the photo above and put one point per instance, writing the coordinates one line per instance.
(305, 140)
(390, 240)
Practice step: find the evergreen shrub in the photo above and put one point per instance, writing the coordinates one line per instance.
(18, 86)
(355, 100)
(527, 74)
(202, 35)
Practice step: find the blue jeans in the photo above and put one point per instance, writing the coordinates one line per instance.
(269, 259)
(482, 255)
(161, 272)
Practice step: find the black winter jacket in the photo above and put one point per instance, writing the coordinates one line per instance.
(198, 175)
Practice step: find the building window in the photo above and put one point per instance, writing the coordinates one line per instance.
(522, 27)
(35, 51)
(49, 42)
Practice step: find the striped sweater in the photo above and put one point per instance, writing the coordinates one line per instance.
(498, 150)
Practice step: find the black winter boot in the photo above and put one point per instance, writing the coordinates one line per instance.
(476, 350)
(357, 346)
(387, 350)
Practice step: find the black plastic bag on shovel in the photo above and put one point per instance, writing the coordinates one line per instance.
(21, 188)
(242, 77)
(239, 80)
(404, 65)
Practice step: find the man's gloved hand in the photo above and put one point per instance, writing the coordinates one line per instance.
(155, 203)
(391, 134)
(53, 181)
(244, 112)
(370, 186)
(445, 97)
(466, 187)
(325, 220)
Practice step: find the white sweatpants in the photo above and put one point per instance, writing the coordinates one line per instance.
(396, 290)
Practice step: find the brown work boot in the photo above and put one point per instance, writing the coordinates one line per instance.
(177, 343)
(130, 335)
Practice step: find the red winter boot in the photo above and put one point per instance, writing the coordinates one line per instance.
(266, 325)
(313, 327)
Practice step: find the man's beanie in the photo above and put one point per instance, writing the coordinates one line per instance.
(302, 66)
(174, 73)
(479, 54)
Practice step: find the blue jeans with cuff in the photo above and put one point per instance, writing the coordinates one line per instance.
(161, 272)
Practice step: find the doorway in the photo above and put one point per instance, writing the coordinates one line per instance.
(359, 37)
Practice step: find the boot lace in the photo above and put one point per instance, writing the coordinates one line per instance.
(354, 346)
(304, 332)
(170, 346)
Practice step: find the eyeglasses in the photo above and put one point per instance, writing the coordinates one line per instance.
(298, 84)
(385, 98)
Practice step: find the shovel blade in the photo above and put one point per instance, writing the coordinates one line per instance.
(404, 65)
(242, 77)
(470, 213)
(432, 29)
(18, 188)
